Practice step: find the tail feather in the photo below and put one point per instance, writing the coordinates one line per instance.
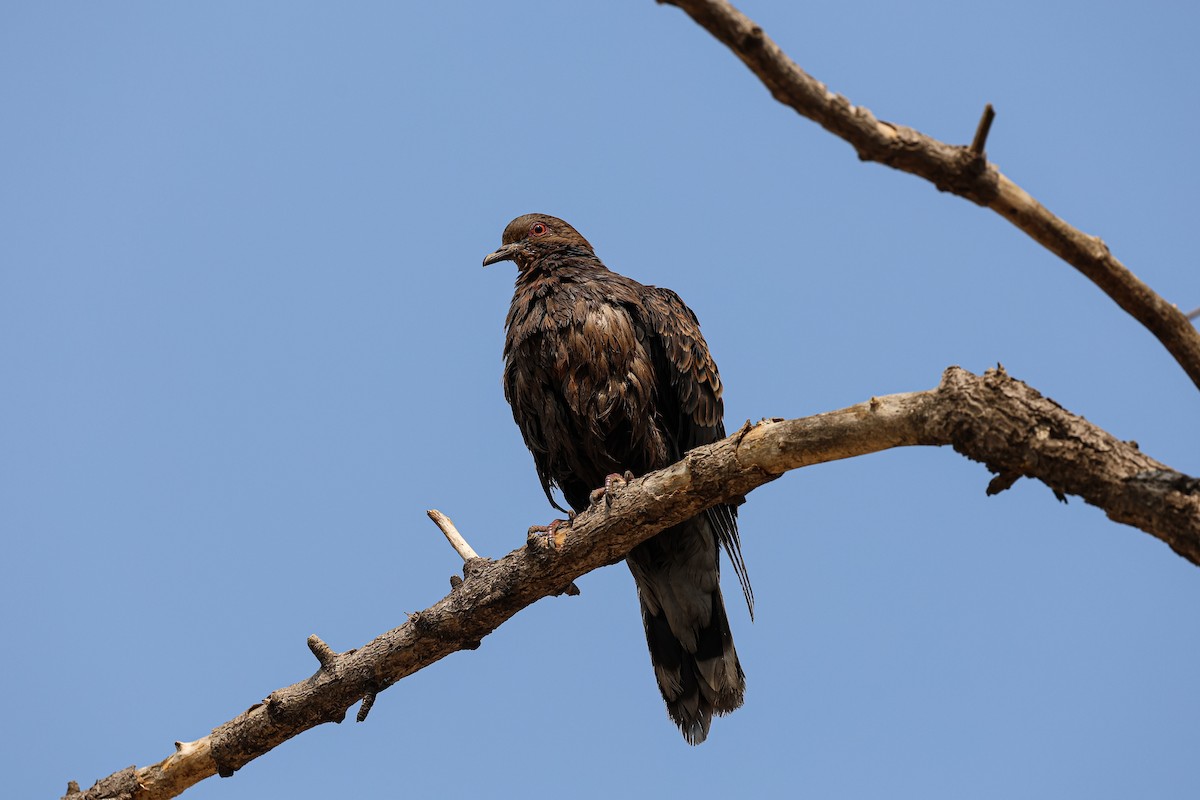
(687, 630)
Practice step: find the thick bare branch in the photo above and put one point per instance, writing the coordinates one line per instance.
(991, 418)
(964, 171)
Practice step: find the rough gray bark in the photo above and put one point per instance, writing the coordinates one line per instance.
(993, 419)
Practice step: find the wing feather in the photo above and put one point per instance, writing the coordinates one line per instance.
(690, 407)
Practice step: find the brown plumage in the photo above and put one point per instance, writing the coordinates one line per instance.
(606, 375)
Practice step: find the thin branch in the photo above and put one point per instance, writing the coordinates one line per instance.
(979, 143)
(991, 418)
(452, 535)
(324, 653)
(960, 170)
(1193, 314)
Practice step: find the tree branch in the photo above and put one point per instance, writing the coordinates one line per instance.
(979, 143)
(964, 171)
(992, 418)
(452, 535)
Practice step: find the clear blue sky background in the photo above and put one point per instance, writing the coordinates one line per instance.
(246, 341)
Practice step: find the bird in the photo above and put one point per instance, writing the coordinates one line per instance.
(607, 377)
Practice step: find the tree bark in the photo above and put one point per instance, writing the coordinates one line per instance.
(994, 419)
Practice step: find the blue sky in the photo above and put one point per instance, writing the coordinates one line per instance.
(247, 341)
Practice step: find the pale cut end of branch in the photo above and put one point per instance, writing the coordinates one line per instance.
(981, 132)
(185, 749)
(322, 651)
(452, 535)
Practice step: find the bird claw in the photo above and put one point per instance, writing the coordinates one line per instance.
(613, 483)
(554, 533)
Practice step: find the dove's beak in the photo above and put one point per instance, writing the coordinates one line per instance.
(507, 252)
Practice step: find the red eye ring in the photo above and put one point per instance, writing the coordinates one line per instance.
(538, 229)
